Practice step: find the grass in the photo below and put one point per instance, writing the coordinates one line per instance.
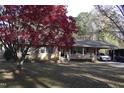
(7, 78)
(62, 75)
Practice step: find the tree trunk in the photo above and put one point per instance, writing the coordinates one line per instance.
(21, 60)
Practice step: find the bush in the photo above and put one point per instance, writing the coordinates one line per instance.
(8, 54)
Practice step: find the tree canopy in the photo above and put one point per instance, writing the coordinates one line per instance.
(23, 26)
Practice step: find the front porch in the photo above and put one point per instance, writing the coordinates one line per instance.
(85, 50)
(83, 53)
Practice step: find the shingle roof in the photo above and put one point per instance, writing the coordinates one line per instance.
(93, 44)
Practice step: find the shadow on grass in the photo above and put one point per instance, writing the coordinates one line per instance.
(8, 78)
(67, 77)
(60, 75)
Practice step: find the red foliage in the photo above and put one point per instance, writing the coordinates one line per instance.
(44, 24)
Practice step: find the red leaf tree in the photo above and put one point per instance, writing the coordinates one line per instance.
(24, 26)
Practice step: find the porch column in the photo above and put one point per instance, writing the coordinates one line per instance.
(83, 51)
(95, 54)
(91, 50)
(113, 51)
(96, 51)
(68, 53)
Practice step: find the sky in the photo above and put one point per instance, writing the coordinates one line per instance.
(76, 10)
(74, 6)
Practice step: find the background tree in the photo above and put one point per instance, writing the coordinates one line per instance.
(113, 23)
(85, 24)
(113, 14)
(96, 26)
(82, 23)
(25, 26)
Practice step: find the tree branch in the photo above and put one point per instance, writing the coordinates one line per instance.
(105, 14)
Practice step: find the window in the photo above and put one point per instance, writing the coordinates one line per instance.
(79, 50)
(49, 50)
(73, 51)
(63, 53)
(86, 50)
(42, 50)
(76, 50)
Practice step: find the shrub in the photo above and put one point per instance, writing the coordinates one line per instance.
(8, 54)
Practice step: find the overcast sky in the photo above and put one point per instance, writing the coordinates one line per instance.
(75, 10)
(74, 6)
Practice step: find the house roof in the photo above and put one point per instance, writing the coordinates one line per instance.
(93, 44)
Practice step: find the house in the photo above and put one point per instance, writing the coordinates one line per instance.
(87, 49)
(82, 49)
